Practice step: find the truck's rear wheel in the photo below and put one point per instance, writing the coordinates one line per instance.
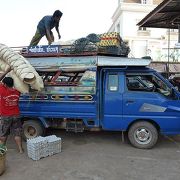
(32, 129)
(143, 135)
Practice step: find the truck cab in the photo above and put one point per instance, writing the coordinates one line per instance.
(97, 92)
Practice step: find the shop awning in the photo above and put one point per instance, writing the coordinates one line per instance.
(165, 15)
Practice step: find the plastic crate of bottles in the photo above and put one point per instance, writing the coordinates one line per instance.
(109, 39)
(41, 147)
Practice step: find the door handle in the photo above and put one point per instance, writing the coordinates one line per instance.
(129, 102)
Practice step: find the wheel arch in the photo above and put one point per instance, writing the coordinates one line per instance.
(147, 120)
(40, 120)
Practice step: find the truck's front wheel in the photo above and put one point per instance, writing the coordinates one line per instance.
(32, 129)
(143, 135)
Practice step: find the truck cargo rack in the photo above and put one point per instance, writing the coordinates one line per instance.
(59, 57)
(66, 50)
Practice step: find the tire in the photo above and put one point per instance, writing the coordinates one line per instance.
(143, 135)
(32, 129)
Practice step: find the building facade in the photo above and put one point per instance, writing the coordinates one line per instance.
(143, 41)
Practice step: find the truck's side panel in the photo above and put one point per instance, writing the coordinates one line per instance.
(60, 109)
(150, 107)
(67, 94)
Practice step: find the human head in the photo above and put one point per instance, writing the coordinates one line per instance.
(57, 15)
(8, 81)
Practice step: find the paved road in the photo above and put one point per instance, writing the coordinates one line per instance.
(97, 156)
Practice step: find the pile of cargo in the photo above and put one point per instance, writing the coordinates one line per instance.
(107, 43)
(111, 43)
(17, 67)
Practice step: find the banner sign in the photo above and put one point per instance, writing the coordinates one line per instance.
(44, 49)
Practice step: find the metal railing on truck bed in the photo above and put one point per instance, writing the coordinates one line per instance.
(67, 50)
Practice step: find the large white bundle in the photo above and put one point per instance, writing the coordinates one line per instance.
(3, 66)
(22, 71)
(18, 84)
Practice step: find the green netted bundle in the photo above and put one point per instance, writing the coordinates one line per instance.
(3, 149)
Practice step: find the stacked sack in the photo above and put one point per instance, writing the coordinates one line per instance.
(22, 72)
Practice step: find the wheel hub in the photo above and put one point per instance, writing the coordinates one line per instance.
(143, 136)
(31, 131)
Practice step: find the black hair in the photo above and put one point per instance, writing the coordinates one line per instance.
(57, 13)
(8, 81)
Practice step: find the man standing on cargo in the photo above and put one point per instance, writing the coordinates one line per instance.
(9, 113)
(45, 25)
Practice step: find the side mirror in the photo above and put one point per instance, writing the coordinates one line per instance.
(173, 94)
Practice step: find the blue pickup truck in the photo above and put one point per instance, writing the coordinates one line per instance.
(93, 92)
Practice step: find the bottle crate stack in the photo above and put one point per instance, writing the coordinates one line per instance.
(41, 147)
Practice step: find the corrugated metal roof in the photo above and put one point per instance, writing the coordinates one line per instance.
(165, 15)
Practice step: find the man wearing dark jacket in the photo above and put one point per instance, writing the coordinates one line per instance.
(45, 25)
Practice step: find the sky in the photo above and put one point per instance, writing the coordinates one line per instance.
(19, 18)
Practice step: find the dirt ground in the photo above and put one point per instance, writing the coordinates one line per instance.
(97, 156)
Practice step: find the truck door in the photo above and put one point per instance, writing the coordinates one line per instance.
(149, 97)
(112, 100)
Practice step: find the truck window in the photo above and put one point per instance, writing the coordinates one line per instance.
(113, 82)
(148, 83)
